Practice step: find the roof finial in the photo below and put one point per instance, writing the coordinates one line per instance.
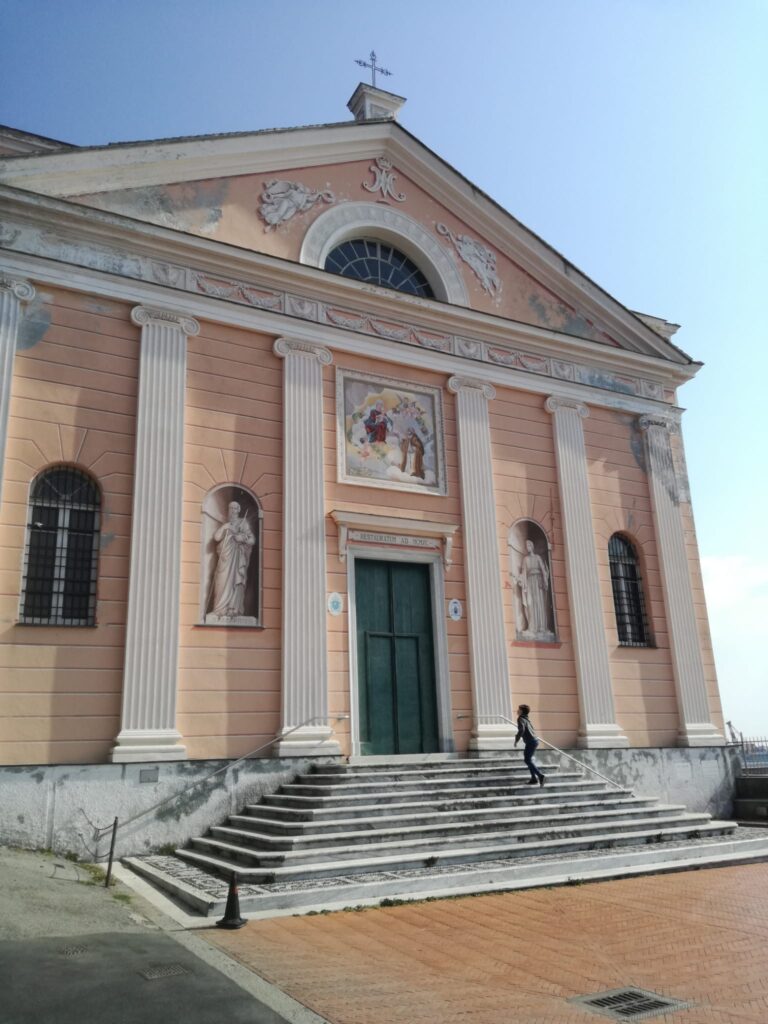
(373, 66)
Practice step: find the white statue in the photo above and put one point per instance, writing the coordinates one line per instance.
(234, 547)
(281, 200)
(478, 257)
(534, 585)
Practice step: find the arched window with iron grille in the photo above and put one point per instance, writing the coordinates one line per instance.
(628, 598)
(62, 549)
(366, 259)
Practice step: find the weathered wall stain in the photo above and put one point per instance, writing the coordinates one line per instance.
(34, 323)
(194, 206)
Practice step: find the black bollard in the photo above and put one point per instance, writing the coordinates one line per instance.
(232, 917)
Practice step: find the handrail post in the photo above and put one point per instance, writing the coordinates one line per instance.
(111, 854)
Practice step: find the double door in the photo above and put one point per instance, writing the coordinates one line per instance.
(396, 658)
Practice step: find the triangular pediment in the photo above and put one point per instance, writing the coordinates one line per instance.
(265, 191)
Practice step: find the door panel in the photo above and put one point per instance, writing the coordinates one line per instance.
(396, 665)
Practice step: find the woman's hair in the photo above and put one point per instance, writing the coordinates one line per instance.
(525, 709)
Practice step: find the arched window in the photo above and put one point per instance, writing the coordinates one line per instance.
(628, 600)
(365, 259)
(61, 557)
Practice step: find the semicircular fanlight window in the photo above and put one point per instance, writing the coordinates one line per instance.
(365, 259)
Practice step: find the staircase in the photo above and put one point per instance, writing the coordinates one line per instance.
(350, 820)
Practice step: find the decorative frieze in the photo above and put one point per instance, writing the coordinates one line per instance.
(148, 725)
(253, 295)
(598, 726)
(13, 292)
(696, 728)
(488, 654)
(305, 655)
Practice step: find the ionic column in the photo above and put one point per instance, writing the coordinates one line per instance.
(598, 726)
(488, 651)
(13, 291)
(305, 649)
(148, 729)
(696, 728)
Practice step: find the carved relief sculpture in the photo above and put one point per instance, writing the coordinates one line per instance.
(282, 200)
(480, 259)
(529, 569)
(384, 180)
(231, 529)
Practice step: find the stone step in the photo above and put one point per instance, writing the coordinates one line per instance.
(468, 854)
(305, 809)
(252, 837)
(378, 849)
(321, 777)
(412, 784)
(342, 823)
(331, 797)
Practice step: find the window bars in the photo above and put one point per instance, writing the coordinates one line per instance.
(61, 557)
(378, 263)
(628, 600)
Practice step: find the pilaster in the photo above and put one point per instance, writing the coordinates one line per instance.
(598, 726)
(13, 291)
(696, 729)
(488, 651)
(148, 729)
(305, 654)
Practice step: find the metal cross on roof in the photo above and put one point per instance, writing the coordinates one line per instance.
(373, 66)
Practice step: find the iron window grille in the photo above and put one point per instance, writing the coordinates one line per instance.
(628, 599)
(378, 263)
(62, 550)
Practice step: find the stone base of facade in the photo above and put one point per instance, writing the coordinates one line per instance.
(135, 746)
(490, 738)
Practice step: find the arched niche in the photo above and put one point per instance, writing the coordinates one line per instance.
(369, 220)
(530, 570)
(230, 568)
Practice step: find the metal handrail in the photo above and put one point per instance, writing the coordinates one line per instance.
(551, 746)
(101, 829)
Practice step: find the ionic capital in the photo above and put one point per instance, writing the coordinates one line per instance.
(554, 405)
(457, 384)
(145, 316)
(22, 289)
(284, 347)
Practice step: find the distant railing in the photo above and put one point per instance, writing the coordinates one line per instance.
(751, 750)
(102, 830)
(551, 746)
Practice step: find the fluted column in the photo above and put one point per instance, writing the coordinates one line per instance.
(696, 729)
(13, 291)
(598, 726)
(488, 651)
(305, 649)
(148, 729)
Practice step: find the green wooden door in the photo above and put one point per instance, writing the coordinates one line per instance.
(395, 657)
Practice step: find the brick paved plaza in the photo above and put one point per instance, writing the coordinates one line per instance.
(699, 936)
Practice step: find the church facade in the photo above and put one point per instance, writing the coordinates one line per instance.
(311, 448)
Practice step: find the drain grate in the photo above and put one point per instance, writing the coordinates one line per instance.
(162, 971)
(630, 1003)
(73, 950)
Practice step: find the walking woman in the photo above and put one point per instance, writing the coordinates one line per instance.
(526, 732)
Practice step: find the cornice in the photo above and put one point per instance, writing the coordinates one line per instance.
(164, 162)
(160, 255)
(216, 310)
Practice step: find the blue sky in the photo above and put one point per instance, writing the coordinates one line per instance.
(632, 135)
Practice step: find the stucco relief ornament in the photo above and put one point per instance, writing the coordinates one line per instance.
(481, 260)
(384, 180)
(282, 200)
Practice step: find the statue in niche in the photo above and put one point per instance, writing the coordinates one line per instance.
(234, 543)
(529, 569)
